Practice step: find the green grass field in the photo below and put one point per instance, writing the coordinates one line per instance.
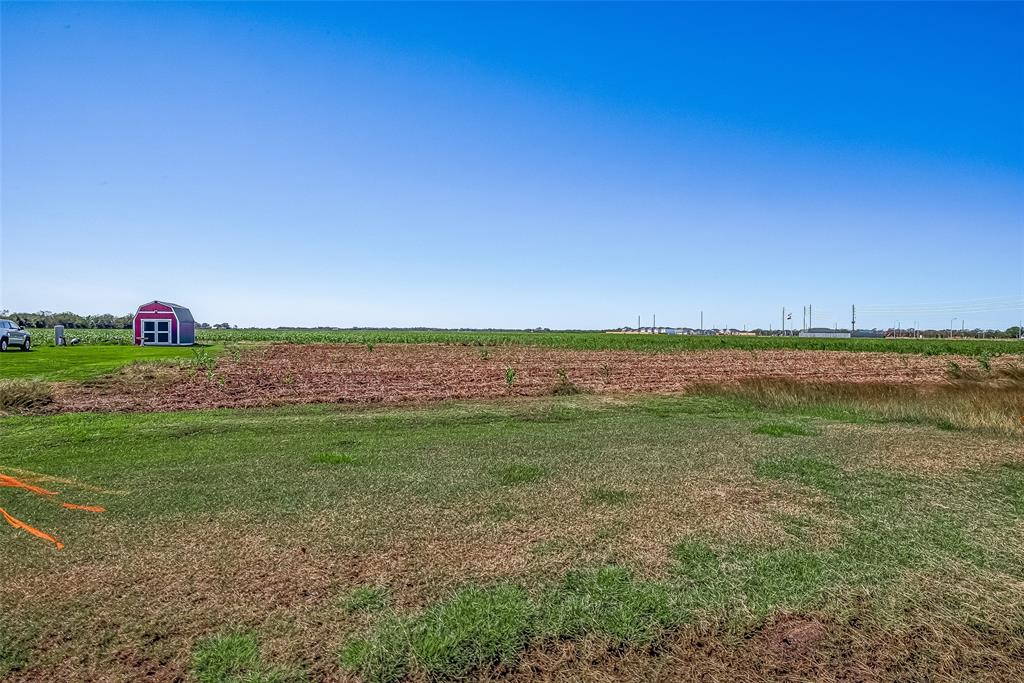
(64, 363)
(567, 538)
(576, 340)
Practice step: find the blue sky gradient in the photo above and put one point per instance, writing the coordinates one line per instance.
(566, 166)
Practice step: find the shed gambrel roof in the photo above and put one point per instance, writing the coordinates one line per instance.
(184, 315)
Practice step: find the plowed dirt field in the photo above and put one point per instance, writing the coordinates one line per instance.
(282, 374)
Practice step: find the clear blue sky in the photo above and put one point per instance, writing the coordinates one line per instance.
(515, 165)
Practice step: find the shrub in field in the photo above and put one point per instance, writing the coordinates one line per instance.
(564, 387)
(24, 395)
(202, 359)
(510, 378)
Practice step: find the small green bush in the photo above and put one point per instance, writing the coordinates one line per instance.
(564, 387)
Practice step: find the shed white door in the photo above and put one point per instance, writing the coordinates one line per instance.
(156, 331)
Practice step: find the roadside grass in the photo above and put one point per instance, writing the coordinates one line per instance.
(68, 363)
(424, 565)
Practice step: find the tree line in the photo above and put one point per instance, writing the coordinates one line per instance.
(102, 321)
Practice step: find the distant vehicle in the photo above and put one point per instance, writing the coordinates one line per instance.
(13, 334)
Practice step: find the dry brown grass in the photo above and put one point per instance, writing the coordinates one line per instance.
(990, 401)
(24, 395)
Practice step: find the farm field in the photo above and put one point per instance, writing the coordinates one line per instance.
(594, 341)
(279, 374)
(551, 538)
(382, 512)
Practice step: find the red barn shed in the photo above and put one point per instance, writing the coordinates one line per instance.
(159, 323)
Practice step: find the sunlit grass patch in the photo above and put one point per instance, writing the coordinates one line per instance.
(609, 496)
(517, 474)
(236, 658)
(473, 629)
(334, 458)
(783, 429)
(365, 599)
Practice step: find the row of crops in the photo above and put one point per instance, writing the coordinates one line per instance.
(569, 340)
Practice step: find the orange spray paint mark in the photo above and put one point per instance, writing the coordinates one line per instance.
(11, 482)
(87, 508)
(18, 524)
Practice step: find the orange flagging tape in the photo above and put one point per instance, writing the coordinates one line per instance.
(6, 480)
(18, 524)
(87, 508)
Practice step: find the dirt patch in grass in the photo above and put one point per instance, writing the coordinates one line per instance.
(338, 373)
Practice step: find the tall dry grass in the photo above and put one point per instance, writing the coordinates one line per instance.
(987, 400)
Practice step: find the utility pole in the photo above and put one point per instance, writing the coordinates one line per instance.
(853, 319)
(638, 324)
(654, 321)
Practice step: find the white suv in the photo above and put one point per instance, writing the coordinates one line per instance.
(12, 334)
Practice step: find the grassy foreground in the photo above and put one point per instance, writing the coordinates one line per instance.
(565, 538)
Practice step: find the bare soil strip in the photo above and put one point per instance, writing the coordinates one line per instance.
(283, 374)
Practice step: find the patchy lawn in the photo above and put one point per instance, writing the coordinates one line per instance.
(557, 538)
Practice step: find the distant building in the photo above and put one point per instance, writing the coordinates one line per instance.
(827, 333)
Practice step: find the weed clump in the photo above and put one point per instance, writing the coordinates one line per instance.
(24, 395)
(510, 378)
(564, 386)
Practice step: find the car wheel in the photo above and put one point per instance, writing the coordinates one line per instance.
(3, 344)
(27, 346)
